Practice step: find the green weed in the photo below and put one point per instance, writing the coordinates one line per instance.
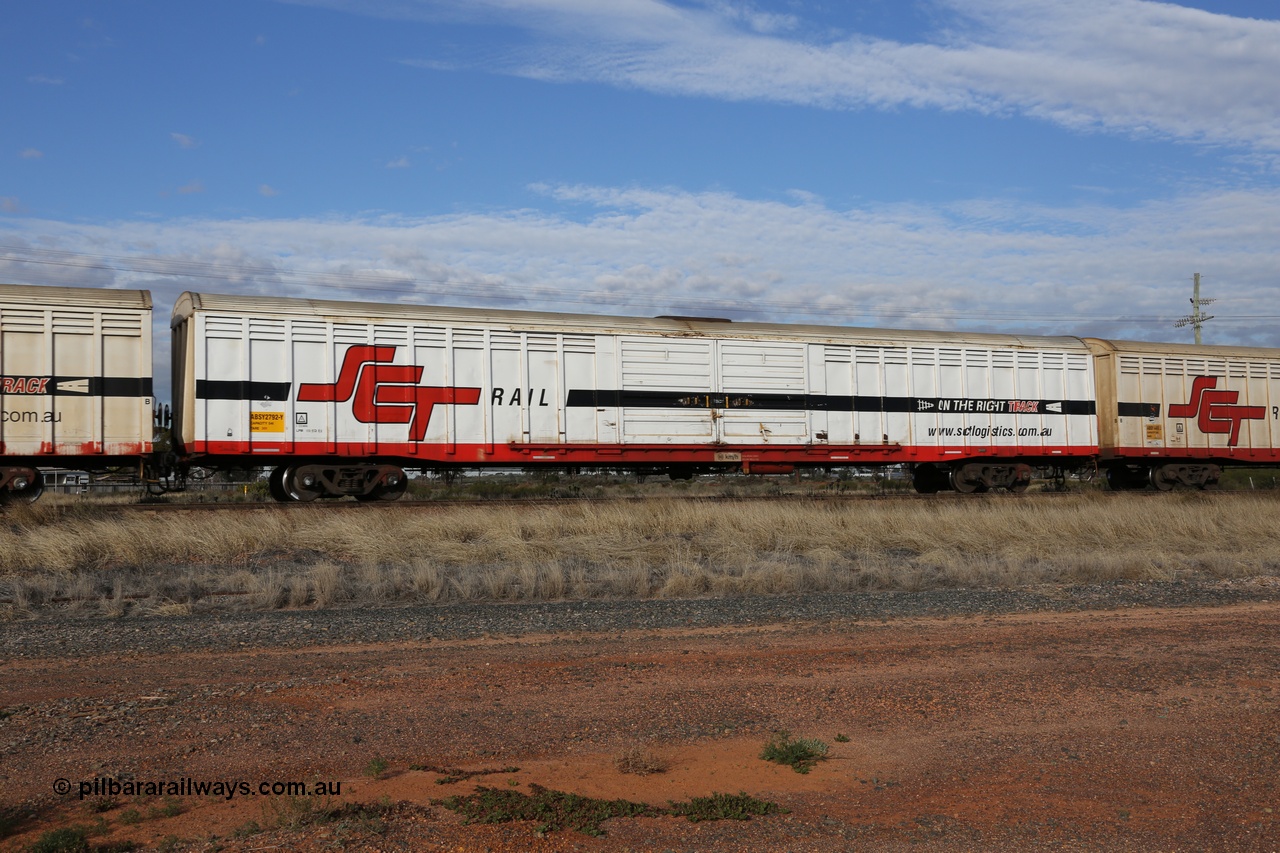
(449, 775)
(101, 804)
(800, 754)
(554, 810)
(739, 806)
(297, 812)
(68, 839)
(171, 808)
(9, 822)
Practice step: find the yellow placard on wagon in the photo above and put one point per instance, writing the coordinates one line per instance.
(266, 422)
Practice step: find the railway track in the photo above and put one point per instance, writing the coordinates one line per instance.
(162, 506)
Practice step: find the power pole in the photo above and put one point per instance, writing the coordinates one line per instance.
(1196, 319)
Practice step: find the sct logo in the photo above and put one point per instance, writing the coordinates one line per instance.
(1215, 411)
(382, 393)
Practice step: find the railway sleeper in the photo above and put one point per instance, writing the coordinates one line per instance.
(308, 482)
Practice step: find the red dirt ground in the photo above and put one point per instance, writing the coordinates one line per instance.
(1132, 730)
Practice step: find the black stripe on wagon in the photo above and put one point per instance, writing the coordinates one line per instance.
(589, 398)
(1138, 410)
(120, 386)
(89, 386)
(974, 406)
(694, 400)
(230, 389)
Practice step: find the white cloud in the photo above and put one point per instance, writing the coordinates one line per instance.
(989, 265)
(751, 16)
(196, 186)
(11, 204)
(1126, 66)
(31, 154)
(268, 191)
(44, 80)
(399, 163)
(184, 141)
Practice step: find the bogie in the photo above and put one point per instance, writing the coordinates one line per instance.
(985, 476)
(312, 481)
(1163, 477)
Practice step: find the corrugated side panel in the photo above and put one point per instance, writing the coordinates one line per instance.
(75, 380)
(326, 384)
(768, 369)
(960, 397)
(654, 364)
(1200, 406)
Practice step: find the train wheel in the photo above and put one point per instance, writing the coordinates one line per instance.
(1163, 479)
(1021, 481)
(29, 492)
(301, 487)
(275, 485)
(394, 488)
(32, 492)
(963, 485)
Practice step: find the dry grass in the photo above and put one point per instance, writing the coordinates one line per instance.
(640, 761)
(98, 559)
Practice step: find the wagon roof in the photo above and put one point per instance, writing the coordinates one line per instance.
(27, 294)
(547, 322)
(1183, 350)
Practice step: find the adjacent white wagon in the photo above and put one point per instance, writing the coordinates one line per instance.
(75, 381)
(1173, 414)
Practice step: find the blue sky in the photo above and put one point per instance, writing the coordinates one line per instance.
(1006, 165)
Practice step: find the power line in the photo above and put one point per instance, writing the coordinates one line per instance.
(1196, 318)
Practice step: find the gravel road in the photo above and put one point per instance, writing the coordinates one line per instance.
(54, 636)
(1130, 716)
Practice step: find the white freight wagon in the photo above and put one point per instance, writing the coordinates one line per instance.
(1174, 414)
(345, 394)
(75, 381)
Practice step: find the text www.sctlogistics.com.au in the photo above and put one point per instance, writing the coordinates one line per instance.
(227, 789)
(989, 432)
